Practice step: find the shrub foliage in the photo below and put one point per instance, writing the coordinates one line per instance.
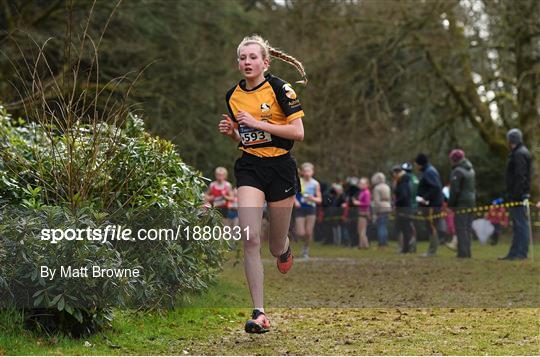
(94, 176)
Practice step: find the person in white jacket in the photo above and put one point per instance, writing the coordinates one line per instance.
(382, 206)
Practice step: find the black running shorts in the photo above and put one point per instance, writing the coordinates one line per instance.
(276, 176)
(305, 211)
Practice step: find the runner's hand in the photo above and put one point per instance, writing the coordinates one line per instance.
(246, 119)
(226, 126)
(310, 198)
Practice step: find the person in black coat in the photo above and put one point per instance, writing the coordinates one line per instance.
(430, 199)
(462, 195)
(518, 185)
(336, 202)
(403, 204)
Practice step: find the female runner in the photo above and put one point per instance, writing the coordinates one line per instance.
(306, 205)
(265, 118)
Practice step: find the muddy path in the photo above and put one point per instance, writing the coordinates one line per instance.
(343, 302)
(325, 331)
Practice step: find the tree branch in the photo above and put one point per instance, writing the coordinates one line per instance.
(470, 109)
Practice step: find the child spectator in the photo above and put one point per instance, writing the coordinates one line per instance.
(220, 191)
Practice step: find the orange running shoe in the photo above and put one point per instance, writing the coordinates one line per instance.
(258, 323)
(285, 261)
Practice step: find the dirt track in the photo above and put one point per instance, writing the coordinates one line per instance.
(383, 303)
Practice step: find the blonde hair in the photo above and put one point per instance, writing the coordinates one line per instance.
(222, 170)
(307, 165)
(364, 180)
(269, 51)
(378, 178)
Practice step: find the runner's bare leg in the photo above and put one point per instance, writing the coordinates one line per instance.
(279, 215)
(250, 203)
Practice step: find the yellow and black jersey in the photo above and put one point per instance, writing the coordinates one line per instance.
(274, 101)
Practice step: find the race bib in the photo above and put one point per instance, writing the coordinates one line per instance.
(252, 136)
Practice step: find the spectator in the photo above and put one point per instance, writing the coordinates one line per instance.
(403, 205)
(335, 212)
(382, 206)
(220, 191)
(413, 183)
(322, 232)
(364, 212)
(462, 195)
(518, 185)
(351, 211)
(430, 199)
(336, 197)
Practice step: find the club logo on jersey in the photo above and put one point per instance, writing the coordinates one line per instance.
(265, 107)
(289, 92)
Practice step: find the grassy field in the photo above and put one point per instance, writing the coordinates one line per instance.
(342, 301)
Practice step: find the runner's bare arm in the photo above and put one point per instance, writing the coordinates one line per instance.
(230, 194)
(227, 127)
(318, 195)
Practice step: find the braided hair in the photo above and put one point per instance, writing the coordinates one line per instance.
(268, 51)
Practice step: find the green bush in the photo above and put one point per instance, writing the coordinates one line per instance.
(124, 176)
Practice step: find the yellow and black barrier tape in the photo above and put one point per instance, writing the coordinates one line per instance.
(444, 211)
(474, 210)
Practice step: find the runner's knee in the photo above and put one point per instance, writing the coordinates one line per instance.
(252, 240)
